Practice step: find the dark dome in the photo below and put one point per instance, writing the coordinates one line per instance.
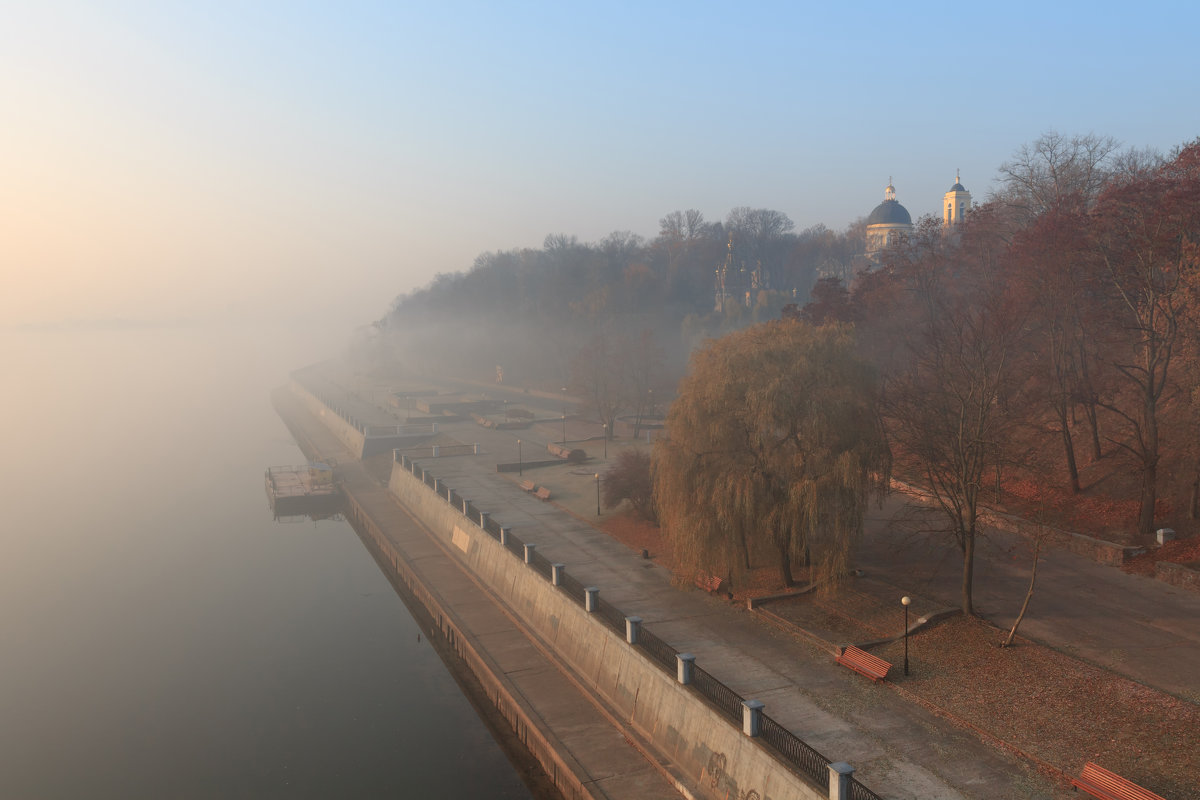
(958, 187)
(889, 212)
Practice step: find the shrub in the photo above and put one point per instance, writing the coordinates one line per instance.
(629, 479)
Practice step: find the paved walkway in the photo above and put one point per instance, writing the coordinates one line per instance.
(1136, 626)
(900, 750)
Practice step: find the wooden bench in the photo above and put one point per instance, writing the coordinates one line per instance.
(709, 583)
(542, 493)
(527, 486)
(864, 663)
(1098, 781)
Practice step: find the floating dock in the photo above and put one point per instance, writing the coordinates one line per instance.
(303, 491)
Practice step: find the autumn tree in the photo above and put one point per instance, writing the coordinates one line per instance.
(1051, 264)
(830, 302)
(947, 333)
(629, 479)
(1145, 232)
(600, 377)
(774, 446)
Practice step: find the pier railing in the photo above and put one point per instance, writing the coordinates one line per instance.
(789, 748)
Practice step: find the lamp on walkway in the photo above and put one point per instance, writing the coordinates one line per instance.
(905, 601)
(520, 461)
(605, 441)
(597, 494)
(564, 415)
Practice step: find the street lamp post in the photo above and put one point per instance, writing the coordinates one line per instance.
(597, 494)
(905, 601)
(605, 441)
(564, 415)
(520, 461)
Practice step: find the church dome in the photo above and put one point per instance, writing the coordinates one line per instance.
(889, 212)
(957, 187)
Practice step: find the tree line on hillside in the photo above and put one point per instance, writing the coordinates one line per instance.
(532, 311)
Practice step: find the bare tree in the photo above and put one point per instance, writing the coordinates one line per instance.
(949, 335)
(1042, 174)
(1144, 232)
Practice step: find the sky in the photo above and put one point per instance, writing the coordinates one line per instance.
(193, 161)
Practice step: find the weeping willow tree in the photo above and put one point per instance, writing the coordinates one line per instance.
(774, 449)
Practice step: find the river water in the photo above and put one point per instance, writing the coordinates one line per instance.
(160, 635)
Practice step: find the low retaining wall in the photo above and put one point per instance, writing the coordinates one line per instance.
(1097, 550)
(721, 761)
(1178, 575)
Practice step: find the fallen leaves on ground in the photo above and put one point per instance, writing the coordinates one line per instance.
(1059, 709)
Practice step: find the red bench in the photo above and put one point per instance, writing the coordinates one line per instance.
(709, 583)
(527, 486)
(542, 493)
(1099, 782)
(864, 663)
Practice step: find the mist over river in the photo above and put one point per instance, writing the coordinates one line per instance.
(160, 635)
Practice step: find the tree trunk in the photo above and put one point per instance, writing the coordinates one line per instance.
(1094, 426)
(743, 550)
(968, 572)
(1149, 495)
(1068, 448)
(785, 565)
(1037, 552)
(1149, 470)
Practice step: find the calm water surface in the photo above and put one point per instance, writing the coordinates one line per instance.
(160, 635)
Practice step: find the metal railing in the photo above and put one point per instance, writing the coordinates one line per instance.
(794, 750)
(658, 650)
(718, 693)
(860, 792)
(790, 748)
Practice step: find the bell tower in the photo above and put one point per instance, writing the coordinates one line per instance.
(955, 203)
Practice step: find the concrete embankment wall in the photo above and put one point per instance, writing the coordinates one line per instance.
(346, 433)
(719, 759)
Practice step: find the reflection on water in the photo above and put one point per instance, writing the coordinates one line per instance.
(162, 636)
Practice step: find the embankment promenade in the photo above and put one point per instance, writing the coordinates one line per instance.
(599, 714)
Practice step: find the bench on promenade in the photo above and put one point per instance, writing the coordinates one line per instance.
(864, 663)
(1099, 782)
(542, 493)
(527, 486)
(709, 583)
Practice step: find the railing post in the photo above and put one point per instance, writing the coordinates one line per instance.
(752, 717)
(839, 780)
(591, 599)
(684, 664)
(437, 450)
(633, 626)
(476, 448)
(435, 427)
(483, 518)
(556, 573)
(529, 548)
(465, 502)
(504, 532)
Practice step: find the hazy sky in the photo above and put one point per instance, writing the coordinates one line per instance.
(232, 159)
